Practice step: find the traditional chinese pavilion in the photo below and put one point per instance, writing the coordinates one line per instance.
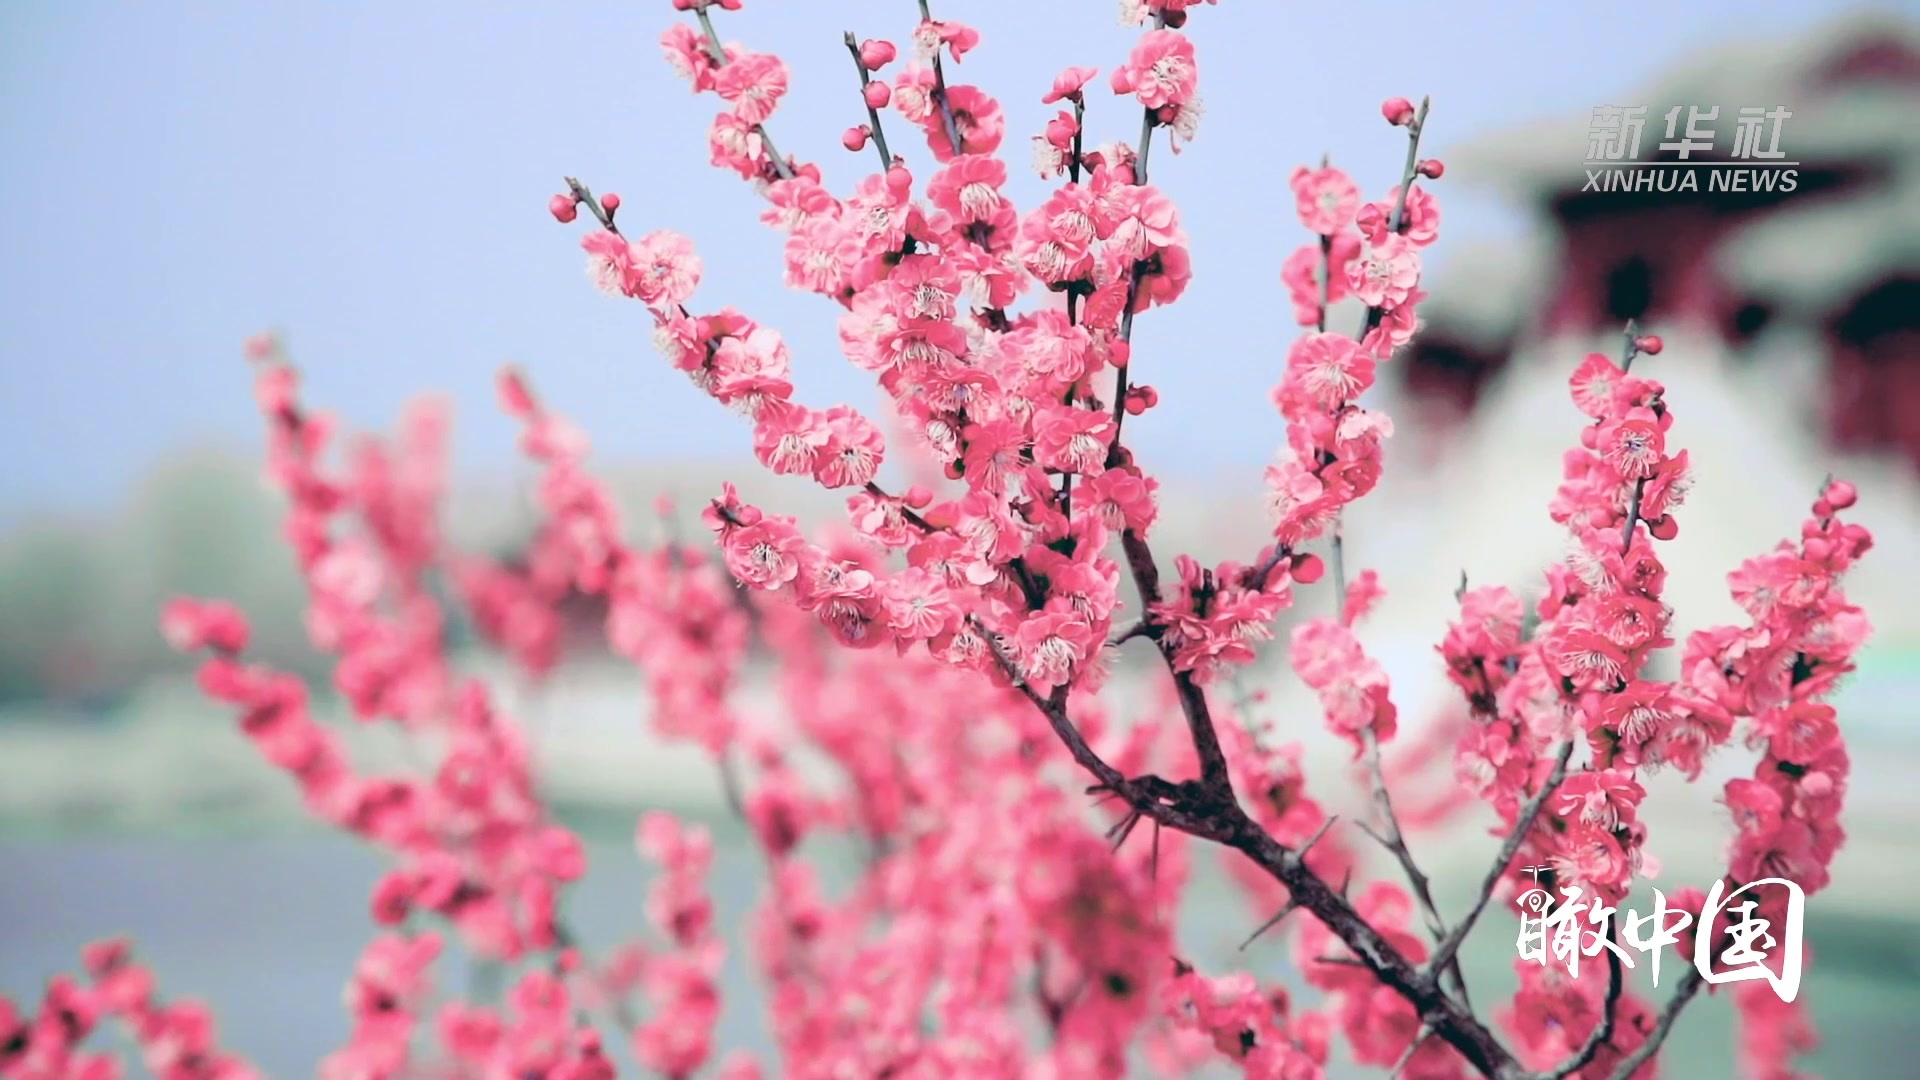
(1792, 329)
(1816, 289)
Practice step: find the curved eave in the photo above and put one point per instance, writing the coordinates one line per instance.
(1861, 122)
(1814, 259)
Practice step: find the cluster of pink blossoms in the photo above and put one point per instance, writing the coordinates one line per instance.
(1573, 675)
(176, 1041)
(943, 651)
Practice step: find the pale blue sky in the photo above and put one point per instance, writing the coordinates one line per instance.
(372, 179)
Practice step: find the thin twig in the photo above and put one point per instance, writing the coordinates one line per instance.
(719, 55)
(1628, 351)
(1421, 1036)
(1398, 220)
(1522, 825)
(940, 99)
(1396, 844)
(1291, 905)
(873, 114)
(1602, 1030)
(585, 198)
(1690, 984)
(1394, 840)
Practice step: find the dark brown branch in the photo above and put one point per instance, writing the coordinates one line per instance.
(1291, 905)
(1054, 708)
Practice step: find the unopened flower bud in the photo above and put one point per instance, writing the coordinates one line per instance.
(609, 202)
(877, 95)
(1664, 527)
(1649, 344)
(855, 137)
(1431, 168)
(1307, 569)
(876, 54)
(1840, 495)
(918, 497)
(1398, 111)
(562, 208)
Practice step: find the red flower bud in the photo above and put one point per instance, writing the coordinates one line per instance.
(1398, 111)
(1841, 495)
(876, 54)
(855, 137)
(1649, 344)
(1307, 569)
(609, 202)
(877, 95)
(1431, 168)
(1664, 527)
(561, 206)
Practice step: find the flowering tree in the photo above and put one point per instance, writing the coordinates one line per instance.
(946, 650)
